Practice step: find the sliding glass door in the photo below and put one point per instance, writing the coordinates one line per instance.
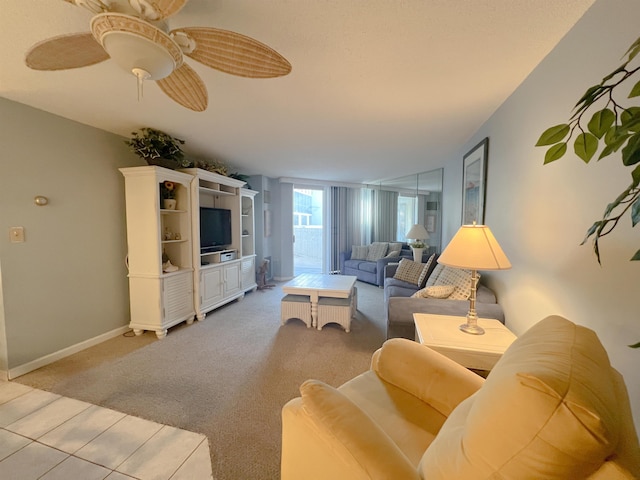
(308, 230)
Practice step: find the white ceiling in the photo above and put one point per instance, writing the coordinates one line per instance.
(379, 88)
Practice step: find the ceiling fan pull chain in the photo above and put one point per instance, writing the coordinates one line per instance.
(141, 76)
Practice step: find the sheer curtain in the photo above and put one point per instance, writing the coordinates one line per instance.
(384, 216)
(345, 222)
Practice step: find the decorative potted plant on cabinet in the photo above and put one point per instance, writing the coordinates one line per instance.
(158, 148)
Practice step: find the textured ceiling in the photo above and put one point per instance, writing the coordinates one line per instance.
(379, 88)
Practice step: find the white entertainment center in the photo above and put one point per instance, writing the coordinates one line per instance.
(203, 281)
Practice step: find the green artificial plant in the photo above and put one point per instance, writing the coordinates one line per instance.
(618, 127)
(152, 144)
(614, 127)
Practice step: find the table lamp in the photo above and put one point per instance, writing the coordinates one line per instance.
(417, 233)
(474, 248)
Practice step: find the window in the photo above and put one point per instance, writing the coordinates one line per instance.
(406, 216)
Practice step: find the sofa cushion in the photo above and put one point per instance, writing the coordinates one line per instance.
(434, 291)
(356, 436)
(459, 278)
(368, 267)
(410, 271)
(547, 410)
(392, 253)
(377, 250)
(359, 252)
(354, 264)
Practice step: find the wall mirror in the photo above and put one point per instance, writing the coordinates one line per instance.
(419, 201)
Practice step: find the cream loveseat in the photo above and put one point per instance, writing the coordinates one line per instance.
(552, 408)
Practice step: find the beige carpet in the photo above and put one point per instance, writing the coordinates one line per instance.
(226, 377)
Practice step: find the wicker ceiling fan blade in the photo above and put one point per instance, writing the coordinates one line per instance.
(234, 53)
(186, 87)
(66, 51)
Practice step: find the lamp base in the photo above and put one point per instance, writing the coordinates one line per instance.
(472, 329)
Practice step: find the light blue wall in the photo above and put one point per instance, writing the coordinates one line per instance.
(67, 283)
(540, 214)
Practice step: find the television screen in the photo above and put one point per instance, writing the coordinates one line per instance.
(215, 229)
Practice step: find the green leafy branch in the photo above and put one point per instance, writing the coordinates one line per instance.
(618, 128)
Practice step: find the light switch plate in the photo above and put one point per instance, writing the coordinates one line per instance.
(16, 234)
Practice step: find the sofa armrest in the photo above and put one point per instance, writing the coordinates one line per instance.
(326, 435)
(380, 268)
(390, 269)
(425, 373)
(344, 256)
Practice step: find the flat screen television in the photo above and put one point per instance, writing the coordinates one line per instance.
(215, 229)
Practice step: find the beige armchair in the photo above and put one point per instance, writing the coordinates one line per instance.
(552, 408)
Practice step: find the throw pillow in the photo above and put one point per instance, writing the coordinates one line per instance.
(393, 246)
(359, 252)
(459, 278)
(435, 291)
(377, 250)
(410, 271)
(395, 253)
(422, 281)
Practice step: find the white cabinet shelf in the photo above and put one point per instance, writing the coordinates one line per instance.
(215, 191)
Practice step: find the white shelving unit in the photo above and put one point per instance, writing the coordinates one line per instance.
(158, 300)
(203, 281)
(223, 276)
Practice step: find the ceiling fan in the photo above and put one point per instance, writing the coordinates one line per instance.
(135, 34)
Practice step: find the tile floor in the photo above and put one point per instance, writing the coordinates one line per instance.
(50, 437)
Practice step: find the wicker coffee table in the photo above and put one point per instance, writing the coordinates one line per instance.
(317, 285)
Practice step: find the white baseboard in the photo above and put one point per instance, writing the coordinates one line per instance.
(60, 354)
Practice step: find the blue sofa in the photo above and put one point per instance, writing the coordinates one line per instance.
(373, 272)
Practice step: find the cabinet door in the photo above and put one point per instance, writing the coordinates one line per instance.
(211, 286)
(177, 297)
(232, 279)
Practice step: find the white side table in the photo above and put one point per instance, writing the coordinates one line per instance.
(477, 352)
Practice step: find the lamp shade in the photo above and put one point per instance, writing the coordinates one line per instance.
(417, 232)
(474, 247)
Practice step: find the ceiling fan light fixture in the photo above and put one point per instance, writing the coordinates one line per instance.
(135, 44)
(134, 52)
